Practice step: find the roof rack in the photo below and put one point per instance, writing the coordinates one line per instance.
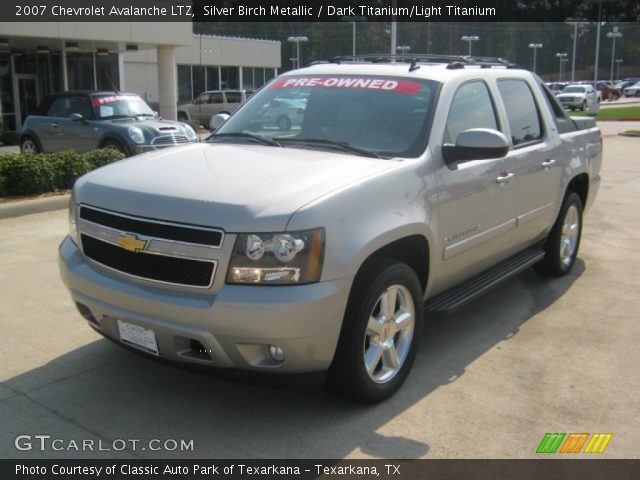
(452, 61)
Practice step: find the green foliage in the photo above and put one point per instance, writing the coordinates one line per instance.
(33, 173)
(8, 137)
(613, 113)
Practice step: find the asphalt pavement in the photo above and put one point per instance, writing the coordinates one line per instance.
(530, 357)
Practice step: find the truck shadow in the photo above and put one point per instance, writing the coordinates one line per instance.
(115, 394)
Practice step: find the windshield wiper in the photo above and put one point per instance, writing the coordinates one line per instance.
(250, 136)
(344, 146)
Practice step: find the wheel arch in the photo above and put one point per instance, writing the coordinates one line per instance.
(114, 138)
(412, 249)
(580, 185)
(30, 134)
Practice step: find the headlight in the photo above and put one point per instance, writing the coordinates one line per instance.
(136, 135)
(291, 258)
(191, 133)
(73, 228)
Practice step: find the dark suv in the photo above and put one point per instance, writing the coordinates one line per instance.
(84, 121)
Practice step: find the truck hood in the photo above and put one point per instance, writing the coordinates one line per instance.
(239, 188)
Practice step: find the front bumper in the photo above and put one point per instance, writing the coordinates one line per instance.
(572, 102)
(230, 328)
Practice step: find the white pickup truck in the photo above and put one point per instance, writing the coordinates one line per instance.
(405, 188)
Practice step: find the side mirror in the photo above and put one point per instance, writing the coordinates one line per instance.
(476, 144)
(217, 121)
(76, 117)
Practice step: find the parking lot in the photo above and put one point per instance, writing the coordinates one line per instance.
(532, 356)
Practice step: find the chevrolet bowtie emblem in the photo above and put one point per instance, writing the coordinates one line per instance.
(131, 243)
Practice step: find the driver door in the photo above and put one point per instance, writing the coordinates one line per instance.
(477, 213)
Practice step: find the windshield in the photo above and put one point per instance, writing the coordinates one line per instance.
(574, 90)
(385, 116)
(120, 106)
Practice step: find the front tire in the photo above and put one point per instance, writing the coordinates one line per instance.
(28, 144)
(564, 240)
(116, 145)
(380, 332)
(284, 123)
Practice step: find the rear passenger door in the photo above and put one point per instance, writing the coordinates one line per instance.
(533, 160)
(476, 212)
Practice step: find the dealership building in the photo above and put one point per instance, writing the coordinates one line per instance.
(164, 62)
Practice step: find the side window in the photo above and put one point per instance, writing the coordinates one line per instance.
(80, 105)
(522, 112)
(234, 97)
(215, 98)
(471, 108)
(59, 107)
(563, 123)
(200, 99)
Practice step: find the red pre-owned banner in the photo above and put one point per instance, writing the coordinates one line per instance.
(384, 84)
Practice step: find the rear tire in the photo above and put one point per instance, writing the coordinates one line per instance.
(380, 332)
(563, 241)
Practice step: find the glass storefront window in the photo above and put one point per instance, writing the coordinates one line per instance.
(184, 84)
(198, 80)
(247, 77)
(7, 112)
(269, 73)
(229, 77)
(80, 71)
(107, 72)
(213, 82)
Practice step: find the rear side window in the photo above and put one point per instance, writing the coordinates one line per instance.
(471, 108)
(234, 97)
(522, 112)
(561, 120)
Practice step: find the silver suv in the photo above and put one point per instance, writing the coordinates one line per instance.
(404, 189)
(209, 103)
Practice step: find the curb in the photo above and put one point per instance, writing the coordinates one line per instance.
(37, 205)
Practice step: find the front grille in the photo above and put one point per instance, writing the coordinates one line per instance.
(180, 271)
(150, 228)
(170, 140)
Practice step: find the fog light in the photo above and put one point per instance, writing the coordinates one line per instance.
(277, 353)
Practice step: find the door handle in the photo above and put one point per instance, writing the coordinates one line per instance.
(504, 178)
(548, 162)
(54, 125)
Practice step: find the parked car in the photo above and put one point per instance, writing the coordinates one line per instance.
(405, 190)
(633, 90)
(556, 87)
(208, 103)
(578, 97)
(85, 121)
(607, 90)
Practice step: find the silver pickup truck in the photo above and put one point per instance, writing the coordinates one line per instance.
(406, 188)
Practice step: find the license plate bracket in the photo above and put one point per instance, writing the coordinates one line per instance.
(138, 337)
